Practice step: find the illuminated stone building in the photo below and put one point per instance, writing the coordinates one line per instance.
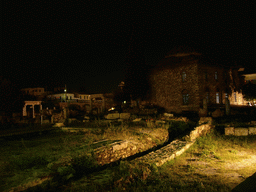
(182, 81)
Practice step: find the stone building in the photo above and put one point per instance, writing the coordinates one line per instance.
(182, 81)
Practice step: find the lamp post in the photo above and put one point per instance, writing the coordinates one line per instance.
(65, 108)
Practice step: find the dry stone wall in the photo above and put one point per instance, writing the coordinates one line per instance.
(176, 147)
(240, 131)
(123, 149)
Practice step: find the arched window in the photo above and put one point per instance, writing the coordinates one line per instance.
(207, 93)
(185, 97)
(217, 96)
(216, 75)
(184, 76)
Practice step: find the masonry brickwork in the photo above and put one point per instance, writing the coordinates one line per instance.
(181, 83)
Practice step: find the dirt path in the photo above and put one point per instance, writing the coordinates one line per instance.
(231, 172)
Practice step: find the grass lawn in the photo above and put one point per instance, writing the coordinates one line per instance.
(59, 161)
(214, 163)
(26, 159)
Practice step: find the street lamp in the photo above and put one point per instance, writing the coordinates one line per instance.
(65, 90)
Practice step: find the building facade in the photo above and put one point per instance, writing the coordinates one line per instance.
(184, 81)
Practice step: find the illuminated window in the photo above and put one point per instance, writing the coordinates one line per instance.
(84, 97)
(235, 96)
(185, 97)
(216, 75)
(217, 97)
(184, 76)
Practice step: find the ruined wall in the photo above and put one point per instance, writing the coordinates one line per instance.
(127, 148)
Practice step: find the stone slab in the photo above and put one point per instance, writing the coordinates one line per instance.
(241, 131)
(229, 131)
(252, 130)
(112, 116)
(168, 114)
(125, 115)
(58, 125)
(120, 146)
(137, 119)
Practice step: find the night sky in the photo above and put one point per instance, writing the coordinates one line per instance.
(85, 43)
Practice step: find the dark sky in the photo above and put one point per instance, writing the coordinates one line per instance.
(85, 43)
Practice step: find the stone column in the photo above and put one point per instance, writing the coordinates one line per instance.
(24, 110)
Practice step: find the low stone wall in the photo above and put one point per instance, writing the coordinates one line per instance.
(176, 147)
(123, 149)
(128, 148)
(240, 131)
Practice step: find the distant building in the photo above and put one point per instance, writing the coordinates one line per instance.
(183, 80)
(250, 78)
(62, 97)
(37, 91)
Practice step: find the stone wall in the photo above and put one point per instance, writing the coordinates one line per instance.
(123, 149)
(203, 81)
(176, 147)
(240, 131)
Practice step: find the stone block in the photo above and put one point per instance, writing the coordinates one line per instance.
(159, 122)
(120, 146)
(241, 131)
(229, 131)
(112, 116)
(58, 125)
(86, 117)
(168, 114)
(137, 119)
(125, 115)
(252, 130)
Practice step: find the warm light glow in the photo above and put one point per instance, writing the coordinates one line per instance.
(111, 109)
(124, 101)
